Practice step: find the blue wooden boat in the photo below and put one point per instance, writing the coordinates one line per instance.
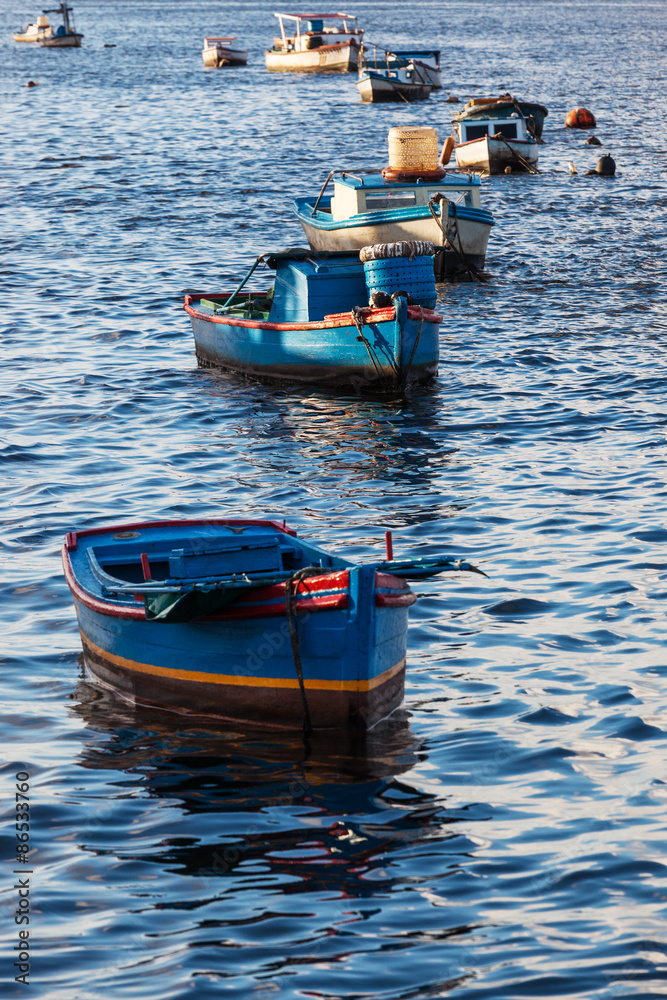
(315, 325)
(241, 620)
(368, 207)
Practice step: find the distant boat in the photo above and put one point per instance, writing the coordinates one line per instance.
(34, 32)
(501, 107)
(428, 61)
(491, 145)
(398, 80)
(218, 52)
(315, 324)
(241, 620)
(65, 37)
(316, 46)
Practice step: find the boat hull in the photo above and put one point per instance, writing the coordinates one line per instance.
(340, 57)
(239, 664)
(494, 155)
(217, 56)
(71, 41)
(380, 89)
(400, 347)
(468, 230)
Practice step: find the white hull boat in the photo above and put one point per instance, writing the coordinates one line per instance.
(219, 52)
(316, 46)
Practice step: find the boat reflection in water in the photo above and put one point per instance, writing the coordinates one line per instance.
(326, 812)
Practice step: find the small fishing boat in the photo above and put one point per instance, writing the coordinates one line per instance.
(492, 145)
(376, 57)
(33, 32)
(428, 61)
(400, 80)
(501, 107)
(220, 52)
(64, 37)
(412, 199)
(315, 323)
(315, 45)
(242, 620)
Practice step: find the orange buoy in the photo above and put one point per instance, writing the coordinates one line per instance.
(447, 150)
(580, 118)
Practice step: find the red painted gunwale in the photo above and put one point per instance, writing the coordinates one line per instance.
(333, 321)
(480, 138)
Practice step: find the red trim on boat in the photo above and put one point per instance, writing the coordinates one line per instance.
(327, 602)
(331, 322)
(72, 536)
(469, 142)
(388, 580)
(395, 600)
(101, 607)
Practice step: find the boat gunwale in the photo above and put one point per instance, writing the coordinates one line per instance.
(328, 592)
(383, 216)
(491, 138)
(334, 321)
(334, 47)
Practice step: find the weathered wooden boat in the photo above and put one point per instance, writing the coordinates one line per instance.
(376, 57)
(65, 36)
(366, 208)
(242, 620)
(400, 80)
(428, 61)
(492, 145)
(315, 324)
(315, 45)
(33, 32)
(219, 52)
(502, 106)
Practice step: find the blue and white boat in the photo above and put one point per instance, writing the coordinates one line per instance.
(322, 322)
(393, 80)
(241, 620)
(366, 208)
(376, 57)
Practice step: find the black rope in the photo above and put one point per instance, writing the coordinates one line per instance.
(404, 380)
(359, 320)
(518, 157)
(473, 273)
(290, 608)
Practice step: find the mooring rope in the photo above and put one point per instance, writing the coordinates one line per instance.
(473, 272)
(404, 380)
(290, 609)
(531, 169)
(359, 320)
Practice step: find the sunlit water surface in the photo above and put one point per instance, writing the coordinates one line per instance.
(503, 835)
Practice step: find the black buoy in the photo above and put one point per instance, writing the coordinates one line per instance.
(593, 141)
(606, 166)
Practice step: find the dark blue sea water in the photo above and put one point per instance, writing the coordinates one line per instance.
(503, 835)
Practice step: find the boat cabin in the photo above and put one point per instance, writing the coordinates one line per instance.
(311, 32)
(512, 127)
(358, 195)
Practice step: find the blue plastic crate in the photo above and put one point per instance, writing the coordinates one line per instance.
(400, 274)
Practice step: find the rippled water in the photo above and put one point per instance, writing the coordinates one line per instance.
(503, 835)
